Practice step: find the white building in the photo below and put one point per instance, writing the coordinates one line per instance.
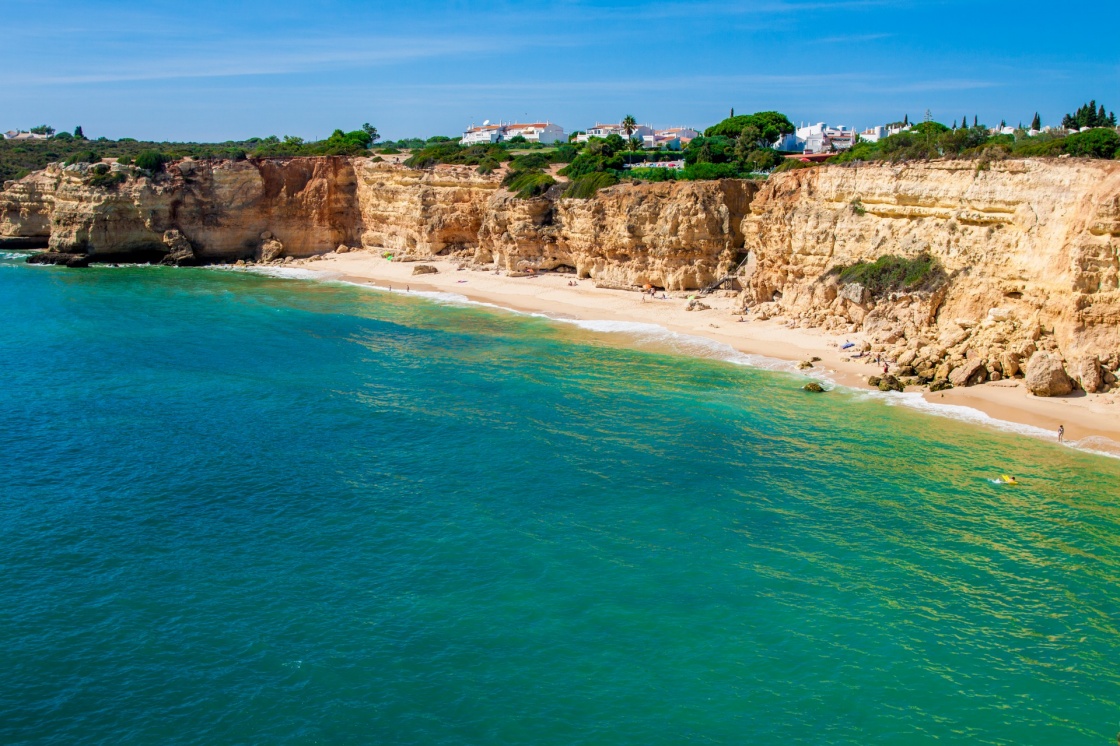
(817, 138)
(545, 133)
(18, 135)
(670, 138)
(874, 134)
(605, 130)
(489, 134)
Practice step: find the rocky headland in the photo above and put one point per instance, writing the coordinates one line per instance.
(1027, 251)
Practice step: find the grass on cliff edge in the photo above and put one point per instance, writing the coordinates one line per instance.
(893, 273)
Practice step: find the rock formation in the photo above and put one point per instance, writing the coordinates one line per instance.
(1029, 249)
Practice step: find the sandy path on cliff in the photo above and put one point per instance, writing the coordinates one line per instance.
(1093, 417)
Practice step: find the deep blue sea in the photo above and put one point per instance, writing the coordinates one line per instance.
(239, 509)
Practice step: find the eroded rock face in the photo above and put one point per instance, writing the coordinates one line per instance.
(421, 213)
(1046, 376)
(220, 208)
(1031, 250)
(672, 235)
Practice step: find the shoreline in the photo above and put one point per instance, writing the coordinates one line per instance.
(1091, 421)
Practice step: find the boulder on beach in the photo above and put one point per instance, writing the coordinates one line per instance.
(180, 253)
(969, 373)
(271, 249)
(424, 269)
(1089, 374)
(1046, 376)
(890, 383)
(814, 387)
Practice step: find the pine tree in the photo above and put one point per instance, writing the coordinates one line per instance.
(964, 122)
(1112, 119)
(954, 124)
(1102, 118)
(906, 121)
(976, 120)
(732, 112)
(78, 134)
(1036, 123)
(1002, 123)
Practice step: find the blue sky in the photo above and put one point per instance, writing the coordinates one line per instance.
(204, 70)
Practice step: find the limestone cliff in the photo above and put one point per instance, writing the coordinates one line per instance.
(673, 235)
(222, 208)
(1030, 247)
(422, 212)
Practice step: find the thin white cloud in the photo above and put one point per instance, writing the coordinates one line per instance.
(852, 39)
(237, 59)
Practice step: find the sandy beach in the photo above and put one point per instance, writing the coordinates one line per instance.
(1091, 421)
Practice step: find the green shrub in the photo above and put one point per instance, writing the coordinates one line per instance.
(86, 156)
(107, 180)
(653, 174)
(791, 164)
(584, 187)
(151, 160)
(488, 166)
(527, 184)
(1096, 143)
(769, 124)
(530, 161)
(389, 151)
(893, 273)
(451, 152)
(708, 171)
(590, 163)
(763, 159)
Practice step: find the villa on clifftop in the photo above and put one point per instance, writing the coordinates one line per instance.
(490, 134)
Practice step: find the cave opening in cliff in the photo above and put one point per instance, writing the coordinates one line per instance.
(25, 242)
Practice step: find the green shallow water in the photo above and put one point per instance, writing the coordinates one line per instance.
(240, 509)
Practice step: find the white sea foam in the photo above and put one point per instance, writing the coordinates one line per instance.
(290, 273)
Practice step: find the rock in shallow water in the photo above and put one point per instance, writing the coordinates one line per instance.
(60, 258)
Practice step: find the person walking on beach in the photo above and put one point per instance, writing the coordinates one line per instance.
(1061, 433)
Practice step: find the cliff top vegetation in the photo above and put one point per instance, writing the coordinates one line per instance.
(931, 140)
(20, 157)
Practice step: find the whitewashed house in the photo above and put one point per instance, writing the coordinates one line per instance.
(489, 134)
(817, 138)
(605, 130)
(543, 132)
(20, 135)
(670, 138)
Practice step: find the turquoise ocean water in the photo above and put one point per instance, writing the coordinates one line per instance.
(243, 509)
